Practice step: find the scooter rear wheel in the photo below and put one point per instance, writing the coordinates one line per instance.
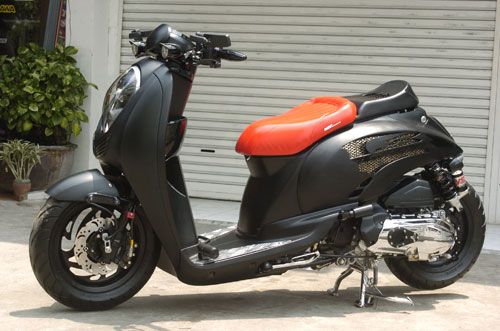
(52, 254)
(434, 275)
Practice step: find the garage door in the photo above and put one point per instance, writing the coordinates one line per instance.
(300, 49)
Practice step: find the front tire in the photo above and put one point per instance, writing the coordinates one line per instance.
(430, 276)
(81, 293)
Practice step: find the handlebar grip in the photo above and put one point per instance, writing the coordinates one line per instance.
(230, 55)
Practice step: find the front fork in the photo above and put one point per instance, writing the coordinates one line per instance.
(118, 244)
(124, 238)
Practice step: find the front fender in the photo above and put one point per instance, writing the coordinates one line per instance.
(78, 186)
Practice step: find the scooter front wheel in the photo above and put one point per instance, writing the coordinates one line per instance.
(65, 249)
(470, 223)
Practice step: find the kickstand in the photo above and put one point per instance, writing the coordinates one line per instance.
(368, 287)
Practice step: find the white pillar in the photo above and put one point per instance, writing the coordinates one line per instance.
(492, 179)
(94, 27)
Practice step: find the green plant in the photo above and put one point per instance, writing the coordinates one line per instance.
(20, 157)
(41, 93)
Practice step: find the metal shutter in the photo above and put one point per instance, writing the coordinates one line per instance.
(300, 49)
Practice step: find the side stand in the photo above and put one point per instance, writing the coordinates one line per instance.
(368, 287)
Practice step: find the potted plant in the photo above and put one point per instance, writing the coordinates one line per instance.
(42, 94)
(20, 157)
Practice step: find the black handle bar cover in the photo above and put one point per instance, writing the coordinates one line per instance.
(228, 54)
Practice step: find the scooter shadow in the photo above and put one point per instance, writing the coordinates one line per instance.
(148, 310)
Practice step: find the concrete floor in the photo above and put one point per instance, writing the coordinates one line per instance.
(294, 301)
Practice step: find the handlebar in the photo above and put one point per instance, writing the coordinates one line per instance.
(230, 55)
(210, 46)
(198, 49)
(213, 56)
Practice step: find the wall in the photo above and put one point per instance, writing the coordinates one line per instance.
(93, 26)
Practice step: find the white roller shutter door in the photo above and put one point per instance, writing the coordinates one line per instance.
(301, 49)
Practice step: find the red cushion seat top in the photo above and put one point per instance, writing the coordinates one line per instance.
(298, 128)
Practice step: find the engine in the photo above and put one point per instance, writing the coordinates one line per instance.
(421, 237)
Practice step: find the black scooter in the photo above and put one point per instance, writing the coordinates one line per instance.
(343, 181)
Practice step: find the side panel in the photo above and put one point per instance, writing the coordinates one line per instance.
(179, 202)
(354, 165)
(363, 163)
(144, 165)
(411, 193)
(270, 193)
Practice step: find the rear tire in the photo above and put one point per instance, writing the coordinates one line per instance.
(57, 280)
(430, 276)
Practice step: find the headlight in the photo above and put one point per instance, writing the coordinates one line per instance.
(118, 95)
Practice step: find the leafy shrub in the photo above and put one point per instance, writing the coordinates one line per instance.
(41, 93)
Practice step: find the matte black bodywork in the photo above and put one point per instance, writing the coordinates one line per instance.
(293, 201)
(389, 97)
(411, 193)
(78, 186)
(292, 236)
(330, 173)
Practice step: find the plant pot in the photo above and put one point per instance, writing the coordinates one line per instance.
(21, 189)
(55, 163)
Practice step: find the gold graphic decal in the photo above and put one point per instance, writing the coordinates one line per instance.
(7, 9)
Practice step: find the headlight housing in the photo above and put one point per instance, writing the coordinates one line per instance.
(118, 95)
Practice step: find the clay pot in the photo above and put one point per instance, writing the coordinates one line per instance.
(55, 163)
(21, 189)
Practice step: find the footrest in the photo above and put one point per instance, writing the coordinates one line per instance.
(207, 251)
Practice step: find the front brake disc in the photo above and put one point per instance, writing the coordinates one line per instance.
(97, 225)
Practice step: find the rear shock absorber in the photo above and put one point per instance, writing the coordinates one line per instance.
(455, 167)
(451, 186)
(444, 181)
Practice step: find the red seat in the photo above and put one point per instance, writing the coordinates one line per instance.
(297, 129)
